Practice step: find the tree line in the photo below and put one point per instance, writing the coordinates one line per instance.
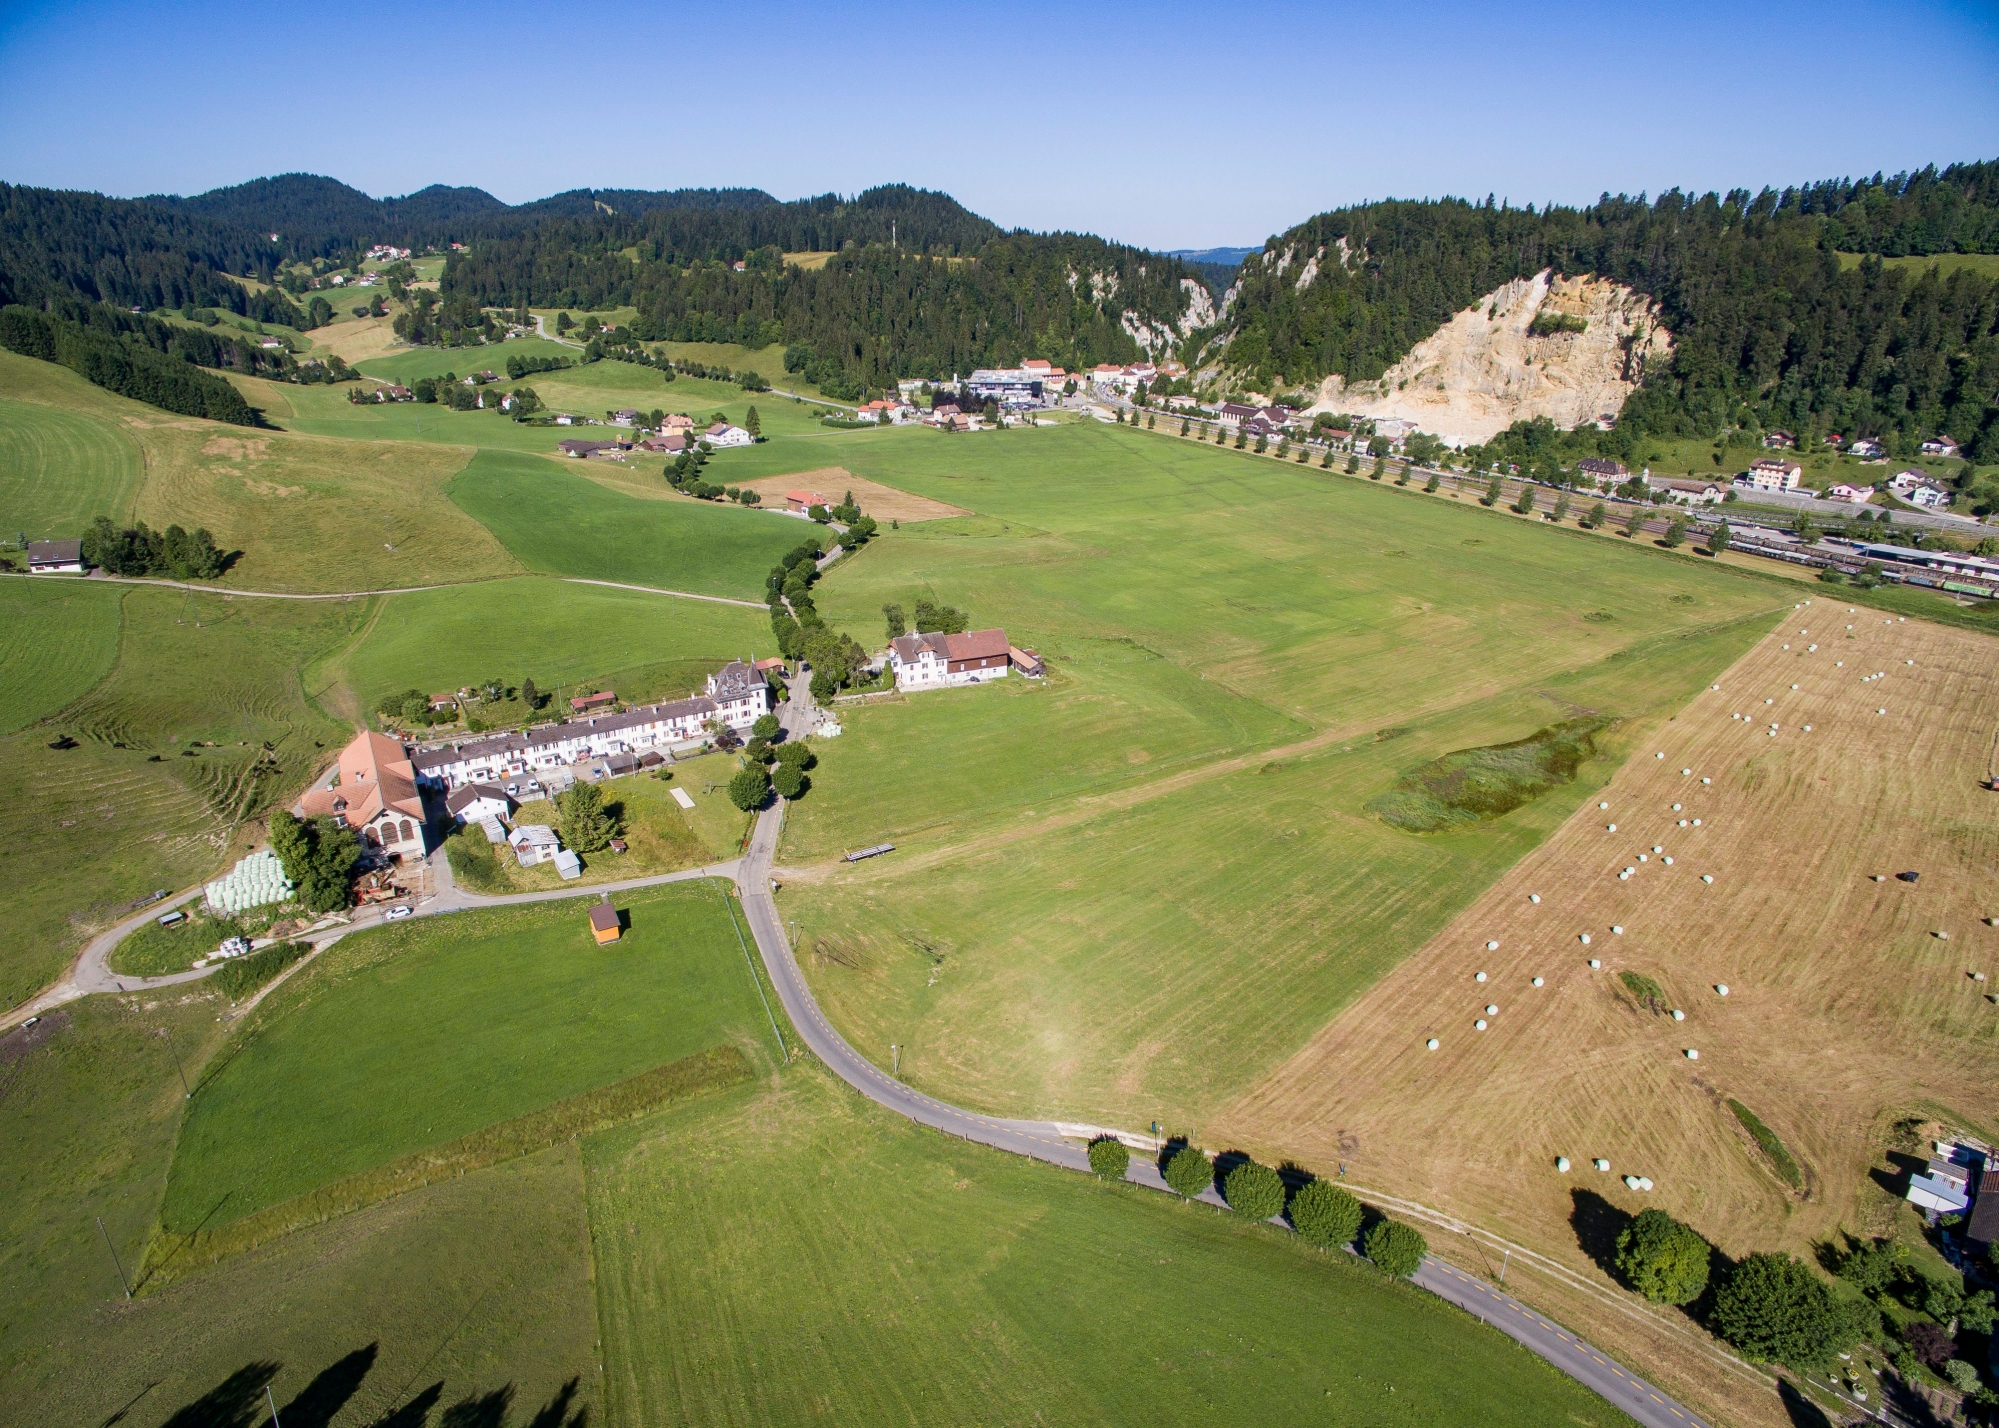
(140, 550)
(1769, 324)
(125, 361)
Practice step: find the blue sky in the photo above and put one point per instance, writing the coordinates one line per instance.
(1164, 124)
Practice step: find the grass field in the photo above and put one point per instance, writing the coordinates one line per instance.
(1847, 1010)
(413, 362)
(461, 1289)
(562, 524)
(168, 756)
(57, 638)
(560, 635)
(492, 1014)
(796, 1255)
(61, 467)
(1984, 264)
(1130, 892)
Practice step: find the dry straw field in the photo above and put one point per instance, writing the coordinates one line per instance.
(1851, 1004)
(884, 503)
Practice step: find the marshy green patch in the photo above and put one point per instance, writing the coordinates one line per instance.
(1781, 1159)
(1476, 785)
(1649, 993)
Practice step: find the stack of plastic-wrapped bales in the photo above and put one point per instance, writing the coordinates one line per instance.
(257, 880)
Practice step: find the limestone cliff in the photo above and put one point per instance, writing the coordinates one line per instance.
(1485, 369)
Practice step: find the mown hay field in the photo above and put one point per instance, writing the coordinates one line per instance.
(63, 459)
(884, 503)
(407, 1038)
(1129, 892)
(57, 638)
(1846, 1012)
(796, 1254)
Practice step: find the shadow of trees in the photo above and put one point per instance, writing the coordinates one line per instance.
(239, 1401)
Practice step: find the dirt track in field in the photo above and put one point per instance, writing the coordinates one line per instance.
(1845, 1012)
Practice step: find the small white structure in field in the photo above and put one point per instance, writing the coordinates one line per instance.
(1644, 857)
(1679, 1015)
(1617, 928)
(1562, 1164)
(1537, 981)
(1660, 755)
(1611, 827)
(1431, 1044)
(1667, 860)
(1880, 711)
(1693, 1055)
(1714, 686)
(1492, 1010)
(1707, 780)
(1603, 805)
(1941, 935)
(1533, 897)
(1478, 977)
(1721, 989)
(1631, 1182)
(1682, 823)
(1676, 808)
(1600, 1163)
(1657, 849)
(1794, 686)
(1595, 964)
(1808, 728)
(1492, 946)
(1686, 773)
(1908, 661)
(1585, 937)
(1478, 1025)
(1707, 877)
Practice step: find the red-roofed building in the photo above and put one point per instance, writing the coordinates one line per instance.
(939, 661)
(602, 699)
(803, 501)
(376, 796)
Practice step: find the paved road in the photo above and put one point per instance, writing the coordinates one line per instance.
(413, 589)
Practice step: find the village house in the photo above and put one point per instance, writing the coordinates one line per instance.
(1779, 440)
(477, 802)
(672, 443)
(392, 392)
(55, 557)
(1236, 413)
(1601, 469)
(1693, 493)
(737, 696)
(1867, 448)
(1940, 446)
(675, 421)
(534, 843)
(441, 702)
(1927, 498)
(582, 450)
(1908, 479)
(1855, 495)
(938, 661)
(722, 434)
(376, 795)
(602, 699)
(625, 417)
(1770, 474)
(800, 503)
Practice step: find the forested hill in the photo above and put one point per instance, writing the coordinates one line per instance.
(1768, 322)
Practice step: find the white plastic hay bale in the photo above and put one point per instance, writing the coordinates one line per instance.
(1492, 946)
(1686, 773)
(1707, 877)
(1644, 857)
(1721, 989)
(1431, 1044)
(1908, 661)
(1714, 686)
(1610, 827)
(1794, 686)
(1537, 981)
(1682, 823)
(1769, 701)
(1595, 964)
(1707, 780)
(1693, 1055)
(1657, 849)
(1478, 977)
(1667, 860)
(1533, 897)
(1644, 1182)
(1786, 646)
(1585, 937)
(1631, 1182)
(1478, 1025)
(1659, 755)
(1697, 823)
(1618, 929)
(1492, 1009)
(1808, 728)
(1880, 711)
(1603, 805)
(1562, 1164)
(1676, 808)
(1679, 1015)
(1600, 1163)
(1941, 935)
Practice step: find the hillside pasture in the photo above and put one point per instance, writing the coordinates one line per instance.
(409, 1037)
(410, 363)
(60, 468)
(1851, 1002)
(819, 1259)
(1128, 892)
(58, 637)
(570, 639)
(560, 523)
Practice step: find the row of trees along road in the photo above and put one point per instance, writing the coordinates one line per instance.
(1323, 1214)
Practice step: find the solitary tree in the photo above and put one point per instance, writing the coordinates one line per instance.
(1380, 465)
(1663, 1259)
(1109, 1158)
(1676, 532)
(1326, 461)
(530, 696)
(1256, 1192)
(318, 858)
(1325, 1214)
(1188, 1172)
(1773, 1308)
(750, 788)
(1717, 539)
(1635, 522)
(1353, 463)
(1598, 514)
(753, 424)
(1493, 493)
(1436, 480)
(1561, 507)
(1525, 505)
(586, 826)
(1262, 444)
(1395, 1248)
(892, 613)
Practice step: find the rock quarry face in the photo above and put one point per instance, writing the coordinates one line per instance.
(1482, 371)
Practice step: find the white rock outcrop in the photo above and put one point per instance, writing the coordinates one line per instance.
(1481, 371)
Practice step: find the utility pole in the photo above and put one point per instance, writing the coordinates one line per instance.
(167, 1032)
(896, 1064)
(114, 1257)
(1502, 1265)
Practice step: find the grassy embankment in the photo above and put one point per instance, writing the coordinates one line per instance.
(1127, 892)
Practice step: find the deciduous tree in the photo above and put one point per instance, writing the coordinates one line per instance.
(1109, 1158)
(1326, 1214)
(1254, 1191)
(1188, 1172)
(1662, 1259)
(1395, 1248)
(1773, 1308)
(750, 788)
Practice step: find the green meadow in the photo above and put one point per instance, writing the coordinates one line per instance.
(58, 637)
(1126, 893)
(563, 636)
(60, 465)
(409, 1037)
(562, 523)
(797, 1255)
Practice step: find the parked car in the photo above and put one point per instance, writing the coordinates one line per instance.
(398, 912)
(513, 790)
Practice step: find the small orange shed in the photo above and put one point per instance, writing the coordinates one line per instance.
(604, 922)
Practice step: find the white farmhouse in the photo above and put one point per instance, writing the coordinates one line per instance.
(722, 434)
(939, 661)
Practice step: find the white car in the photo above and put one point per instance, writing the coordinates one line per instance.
(399, 912)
